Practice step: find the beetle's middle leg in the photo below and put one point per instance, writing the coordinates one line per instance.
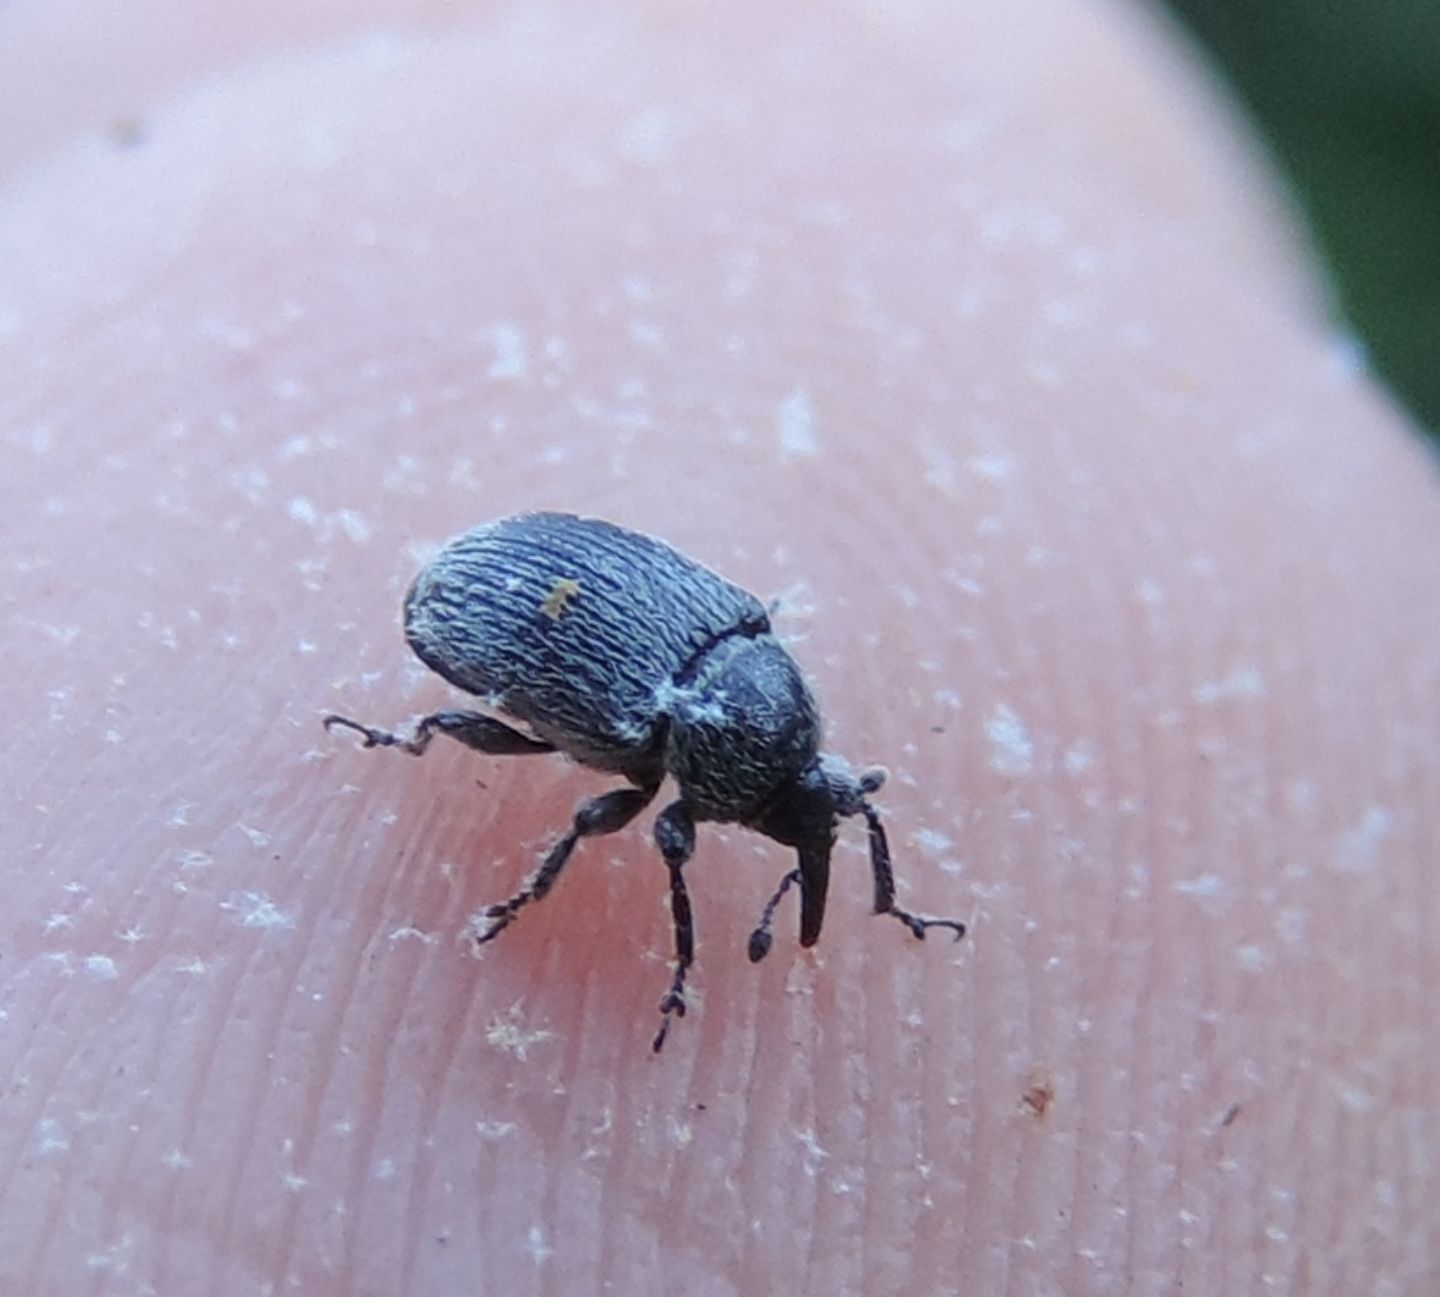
(675, 836)
(604, 814)
(473, 729)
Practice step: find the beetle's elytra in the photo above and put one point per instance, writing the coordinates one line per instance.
(625, 655)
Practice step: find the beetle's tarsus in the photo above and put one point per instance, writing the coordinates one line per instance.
(673, 1002)
(672, 1006)
(373, 738)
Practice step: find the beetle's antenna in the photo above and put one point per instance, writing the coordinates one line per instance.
(885, 881)
(760, 939)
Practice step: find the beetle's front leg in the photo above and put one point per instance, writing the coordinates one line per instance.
(918, 924)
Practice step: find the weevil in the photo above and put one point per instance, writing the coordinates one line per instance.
(630, 658)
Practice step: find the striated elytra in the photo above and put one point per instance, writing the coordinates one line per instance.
(620, 652)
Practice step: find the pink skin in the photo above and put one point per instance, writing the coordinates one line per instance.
(980, 340)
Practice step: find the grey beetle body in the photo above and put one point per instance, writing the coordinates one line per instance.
(620, 652)
(628, 658)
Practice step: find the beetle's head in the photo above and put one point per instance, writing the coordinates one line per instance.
(803, 814)
(805, 810)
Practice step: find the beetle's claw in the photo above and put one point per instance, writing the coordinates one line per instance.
(491, 922)
(674, 1002)
(919, 927)
(373, 738)
(954, 925)
(671, 1006)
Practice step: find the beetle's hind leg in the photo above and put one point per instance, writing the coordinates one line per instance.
(604, 814)
(885, 882)
(473, 729)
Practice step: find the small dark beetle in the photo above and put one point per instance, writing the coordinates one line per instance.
(631, 658)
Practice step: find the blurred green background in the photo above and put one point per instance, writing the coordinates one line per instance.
(1348, 94)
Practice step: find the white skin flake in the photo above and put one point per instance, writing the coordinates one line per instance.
(1012, 751)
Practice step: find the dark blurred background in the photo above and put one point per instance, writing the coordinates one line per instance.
(1348, 94)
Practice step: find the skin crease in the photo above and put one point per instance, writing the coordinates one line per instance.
(976, 338)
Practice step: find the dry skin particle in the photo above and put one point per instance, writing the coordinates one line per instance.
(1039, 1093)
